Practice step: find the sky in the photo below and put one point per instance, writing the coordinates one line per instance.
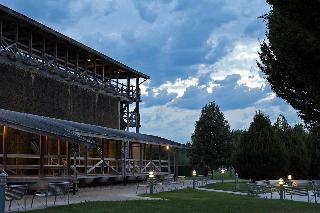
(196, 51)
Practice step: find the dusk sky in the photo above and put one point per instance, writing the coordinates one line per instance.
(194, 51)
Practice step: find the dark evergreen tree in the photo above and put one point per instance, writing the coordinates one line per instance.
(211, 140)
(298, 152)
(314, 151)
(260, 155)
(291, 56)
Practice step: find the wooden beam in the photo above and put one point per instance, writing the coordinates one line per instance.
(30, 43)
(141, 157)
(42, 148)
(102, 155)
(5, 136)
(68, 148)
(86, 160)
(16, 36)
(59, 151)
(160, 166)
(66, 60)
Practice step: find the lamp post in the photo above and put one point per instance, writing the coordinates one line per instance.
(222, 177)
(281, 188)
(3, 183)
(151, 177)
(290, 180)
(237, 181)
(194, 174)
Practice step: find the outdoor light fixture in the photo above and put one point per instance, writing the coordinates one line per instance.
(290, 180)
(151, 174)
(222, 172)
(194, 174)
(167, 147)
(151, 177)
(280, 181)
(89, 59)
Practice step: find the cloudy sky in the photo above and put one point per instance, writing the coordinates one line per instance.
(195, 52)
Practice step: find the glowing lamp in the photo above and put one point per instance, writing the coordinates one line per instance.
(151, 174)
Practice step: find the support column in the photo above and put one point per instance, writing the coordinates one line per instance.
(160, 165)
(59, 151)
(169, 164)
(102, 156)
(42, 148)
(86, 160)
(124, 174)
(174, 162)
(68, 148)
(5, 134)
(141, 157)
(43, 53)
(30, 43)
(137, 106)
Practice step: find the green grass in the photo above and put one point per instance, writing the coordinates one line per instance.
(185, 201)
(228, 186)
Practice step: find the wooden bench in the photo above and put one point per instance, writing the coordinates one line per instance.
(256, 189)
(291, 190)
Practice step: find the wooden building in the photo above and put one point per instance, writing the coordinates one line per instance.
(66, 110)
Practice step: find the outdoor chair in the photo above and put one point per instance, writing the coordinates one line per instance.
(59, 190)
(45, 189)
(41, 191)
(14, 193)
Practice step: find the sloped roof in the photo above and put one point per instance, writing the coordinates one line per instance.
(75, 131)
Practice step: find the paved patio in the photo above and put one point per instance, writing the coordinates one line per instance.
(99, 193)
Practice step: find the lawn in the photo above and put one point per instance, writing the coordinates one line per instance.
(188, 200)
(228, 186)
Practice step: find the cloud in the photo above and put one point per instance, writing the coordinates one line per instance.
(195, 52)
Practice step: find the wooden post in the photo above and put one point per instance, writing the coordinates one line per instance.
(103, 72)
(137, 111)
(169, 166)
(151, 157)
(102, 156)
(160, 165)
(59, 151)
(108, 152)
(56, 53)
(5, 135)
(86, 160)
(30, 43)
(68, 148)
(124, 162)
(42, 148)
(141, 158)
(16, 37)
(174, 162)
(66, 60)
(77, 62)
(43, 53)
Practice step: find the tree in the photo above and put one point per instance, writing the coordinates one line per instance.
(211, 140)
(295, 141)
(298, 152)
(259, 155)
(314, 150)
(290, 58)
